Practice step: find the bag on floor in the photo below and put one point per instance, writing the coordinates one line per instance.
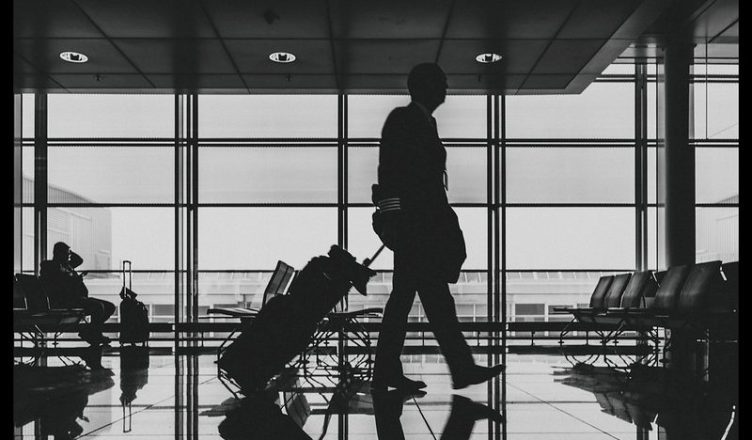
(134, 316)
(284, 326)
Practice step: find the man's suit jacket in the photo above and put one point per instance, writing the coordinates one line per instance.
(412, 162)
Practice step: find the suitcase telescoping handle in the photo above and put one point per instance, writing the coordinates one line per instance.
(127, 292)
(367, 262)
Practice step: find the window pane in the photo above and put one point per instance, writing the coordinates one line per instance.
(27, 115)
(603, 110)
(474, 224)
(27, 171)
(652, 174)
(255, 238)
(233, 289)
(717, 114)
(467, 174)
(462, 117)
(362, 168)
(127, 116)
(717, 234)
(717, 175)
(570, 238)
(652, 107)
(570, 175)
(268, 174)
(652, 233)
(367, 113)
(104, 237)
(27, 239)
(466, 170)
(619, 69)
(531, 293)
(458, 117)
(277, 116)
(155, 289)
(111, 174)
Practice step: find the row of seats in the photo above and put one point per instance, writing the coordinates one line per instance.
(682, 295)
(31, 308)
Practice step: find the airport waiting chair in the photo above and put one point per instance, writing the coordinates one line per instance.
(345, 327)
(611, 300)
(596, 299)
(33, 318)
(277, 285)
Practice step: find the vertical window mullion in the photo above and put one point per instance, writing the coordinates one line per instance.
(40, 178)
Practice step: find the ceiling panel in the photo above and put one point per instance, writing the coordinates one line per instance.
(148, 18)
(383, 56)
(358, 45)
(29, 83)
(102, 81)
(322, 83)
(597, 19)
(542, 81)
(518, 56)
(389, 18)
(45, 55)
(716, 18)
(252, 56)
(511, 19)
(269, 19)
(49, 19)
(564, 56)
(376, 84)
(202, 83)
(177, 55)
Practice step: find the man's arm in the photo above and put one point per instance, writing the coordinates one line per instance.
(75, 260)
(394, 155)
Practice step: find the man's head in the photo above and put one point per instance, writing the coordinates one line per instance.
(60, 252)
(427, 84)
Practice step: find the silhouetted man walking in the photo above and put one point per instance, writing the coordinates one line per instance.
(414, 219)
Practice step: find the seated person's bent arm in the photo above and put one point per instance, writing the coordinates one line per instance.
(75, 260)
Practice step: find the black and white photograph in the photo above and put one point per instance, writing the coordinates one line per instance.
(375, 220)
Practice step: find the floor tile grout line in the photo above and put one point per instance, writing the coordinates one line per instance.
(172, 396)
(562, 410)
(417, 405)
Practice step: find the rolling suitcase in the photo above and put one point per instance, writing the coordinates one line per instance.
(284, 326)
(134, 316)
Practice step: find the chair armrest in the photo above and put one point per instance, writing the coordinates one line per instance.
(356, 313)
(235, 312)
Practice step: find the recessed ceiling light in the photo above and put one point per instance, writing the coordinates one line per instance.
(282, 57)
(487, 58)
(74, 57)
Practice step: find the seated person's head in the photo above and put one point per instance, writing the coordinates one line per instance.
(61, 252)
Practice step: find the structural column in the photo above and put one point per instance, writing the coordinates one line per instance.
(679, 160)
(678, 167)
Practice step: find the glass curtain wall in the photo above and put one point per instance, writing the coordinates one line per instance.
(715, 94)
(552, 191)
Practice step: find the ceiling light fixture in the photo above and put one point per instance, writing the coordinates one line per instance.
(488, 58)
(282, 57)
(74, 57)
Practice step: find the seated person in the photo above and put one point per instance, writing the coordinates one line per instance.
(65, 289)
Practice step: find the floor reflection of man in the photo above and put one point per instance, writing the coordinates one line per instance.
(388, 408)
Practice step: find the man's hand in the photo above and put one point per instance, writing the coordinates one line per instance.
(388, 226)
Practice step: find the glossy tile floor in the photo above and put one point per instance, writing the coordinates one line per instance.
(142, 395)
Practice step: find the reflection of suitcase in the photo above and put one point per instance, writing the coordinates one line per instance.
(134, 375)
(134, 316)
(285, 325)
